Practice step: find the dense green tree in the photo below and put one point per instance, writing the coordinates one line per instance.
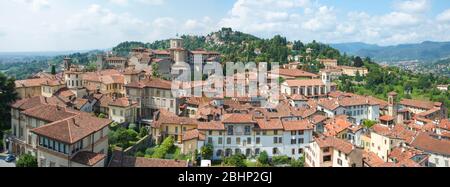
(8, 95)
(358, 62)
(237, 160)
(263, 158)
(299, 162)
(164, 148)
(53, 70)
(27, 160)
(122, 137)
(207, 151)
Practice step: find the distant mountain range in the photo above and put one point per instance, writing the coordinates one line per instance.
(425, 51)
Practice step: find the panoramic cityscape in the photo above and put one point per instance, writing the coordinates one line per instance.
(224, 83)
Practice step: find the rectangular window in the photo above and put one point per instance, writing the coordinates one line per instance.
(301, 141)
(339, 161)
(230, 130)
(293, 141)
(228, 140)
(238, 140)
(258, 140)
(301, 132)
(280, 140)
(176, 130)
(220, 140)
(257, 151)
(247, 130)
(210, 140)
(275, 140)
(249, 140)
(293, 133)
(275, 132)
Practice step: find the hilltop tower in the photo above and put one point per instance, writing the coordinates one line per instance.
(100, 63)
(326, 79)
(177, 51)
(67, 63)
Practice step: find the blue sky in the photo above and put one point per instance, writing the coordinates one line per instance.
(55, 25)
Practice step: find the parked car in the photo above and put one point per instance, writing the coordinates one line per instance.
(10, 158)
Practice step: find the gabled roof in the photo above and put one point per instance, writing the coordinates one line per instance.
(420, 104)
(238, 118)
(151, 83)
(297, 125)
(428, 143)
(73, 129)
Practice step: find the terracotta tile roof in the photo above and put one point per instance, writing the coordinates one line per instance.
(336, 143)
(237, 118)
(73, 129)
(166, 117)
(386, 118)
(297, 125)
(444, 124)
(65, 93)
(296, 73)
(28, 103)
(129, 161)
(30, 82)
(306, 82)
(53, 82)
(399, 131)
(429, 112)
(404, 156)
(161, 52)
(428, 143)
(318, 119)
(104, 100)
(79, 102)
(298, 97)
(334, 103)
(88, 158)
(337, 126)
(50, 113)
(122, 102)
(197, 100)
(270, 124)
(151, 83)
(213, 125)
(132, 71)
(419, 104)
(373, 160)
(193, 134)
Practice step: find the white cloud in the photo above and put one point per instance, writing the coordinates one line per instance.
(412, 6)
(148, 2)
(35, 5)
(444, 16)
(399, 19)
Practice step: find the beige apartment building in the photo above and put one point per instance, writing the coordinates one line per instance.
(151, 95)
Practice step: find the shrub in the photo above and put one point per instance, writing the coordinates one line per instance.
(207, 151)
(143, 132)
(164, 148)
(280, 160)
(237, 160)
(140, 154)
(149, 151)
(298, 163)
(263, 158)
(27, 160)
(101, 115)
